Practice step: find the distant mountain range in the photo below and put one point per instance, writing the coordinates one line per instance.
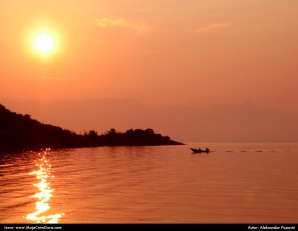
(216, 123)
(20, 132)
(246, 122)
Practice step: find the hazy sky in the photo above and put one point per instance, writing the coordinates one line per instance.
(165, 52)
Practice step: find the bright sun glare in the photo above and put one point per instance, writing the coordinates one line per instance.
(44, 43)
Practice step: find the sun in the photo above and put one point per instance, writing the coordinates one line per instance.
(44, 43)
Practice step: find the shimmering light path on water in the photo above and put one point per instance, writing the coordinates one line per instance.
(44, 193)
(235, 183)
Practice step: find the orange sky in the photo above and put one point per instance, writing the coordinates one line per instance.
(166, 52)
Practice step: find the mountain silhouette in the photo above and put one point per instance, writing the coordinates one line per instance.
(241, 122)
(20, 132)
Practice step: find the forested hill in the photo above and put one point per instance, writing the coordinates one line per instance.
(20, 132)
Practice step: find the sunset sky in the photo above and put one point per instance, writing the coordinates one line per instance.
(165, 52)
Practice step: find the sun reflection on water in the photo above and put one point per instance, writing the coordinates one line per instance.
(43, 196)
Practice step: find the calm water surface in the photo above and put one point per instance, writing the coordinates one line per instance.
(236, 183)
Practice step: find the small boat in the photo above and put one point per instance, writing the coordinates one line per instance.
(200, 150)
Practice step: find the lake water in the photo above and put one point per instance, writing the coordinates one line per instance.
(235, 183)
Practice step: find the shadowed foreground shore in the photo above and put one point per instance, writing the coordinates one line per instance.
(20, 132)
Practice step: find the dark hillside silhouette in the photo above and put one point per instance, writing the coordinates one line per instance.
(20, 132)
(242, 122)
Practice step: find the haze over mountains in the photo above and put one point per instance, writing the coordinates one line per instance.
(217, 123)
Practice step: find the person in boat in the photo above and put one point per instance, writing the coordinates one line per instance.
(207, 149)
